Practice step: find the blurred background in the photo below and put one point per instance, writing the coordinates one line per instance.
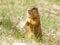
(12, 12)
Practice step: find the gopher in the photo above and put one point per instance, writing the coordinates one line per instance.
(33, 26)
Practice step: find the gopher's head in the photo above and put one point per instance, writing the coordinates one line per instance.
(32, 12)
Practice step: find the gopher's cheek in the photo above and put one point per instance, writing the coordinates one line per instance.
(33, 22)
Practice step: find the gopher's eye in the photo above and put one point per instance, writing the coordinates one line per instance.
(34, 9)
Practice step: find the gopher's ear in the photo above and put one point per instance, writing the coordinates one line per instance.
(34, 8)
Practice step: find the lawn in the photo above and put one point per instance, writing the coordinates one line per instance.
(12, 12)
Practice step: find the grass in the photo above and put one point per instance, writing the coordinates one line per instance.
(55, 1)
(14, 10)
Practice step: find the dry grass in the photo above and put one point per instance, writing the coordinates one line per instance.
(14, 11)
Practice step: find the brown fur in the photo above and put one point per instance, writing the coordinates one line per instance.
(33, 25)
